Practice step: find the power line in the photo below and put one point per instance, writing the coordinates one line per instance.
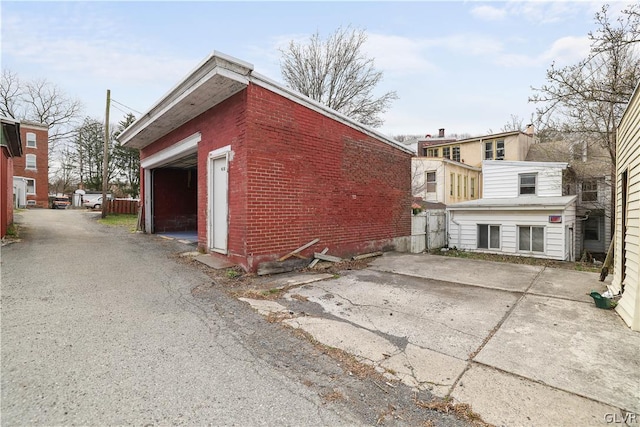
(125, 106)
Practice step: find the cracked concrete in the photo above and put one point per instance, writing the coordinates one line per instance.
(522, 344)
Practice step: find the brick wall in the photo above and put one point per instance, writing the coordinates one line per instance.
(296, 175)
(312, 177)
(176, 199)
(41, 173)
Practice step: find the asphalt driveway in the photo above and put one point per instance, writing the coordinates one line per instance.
(524, 345)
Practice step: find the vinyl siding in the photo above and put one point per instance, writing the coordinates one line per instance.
(463, 235)
(629, 160)
(501, 179)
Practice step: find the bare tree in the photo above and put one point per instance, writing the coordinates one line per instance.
(587, 99)
(337, 74)
(515, 123)
(39, 101)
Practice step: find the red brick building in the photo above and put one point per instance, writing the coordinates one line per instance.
(259, 170)
(33, 166)
(10, 149)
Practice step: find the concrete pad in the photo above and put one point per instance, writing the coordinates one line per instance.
(190, 254)
(452, 320)
(214, 262)
(285, 281)
(426, 369)
(506, 400)
(494, 275)
(356, 341)
(265, 307)
(572, 346)
(570, 284)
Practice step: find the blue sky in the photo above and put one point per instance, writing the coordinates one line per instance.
(463, 66)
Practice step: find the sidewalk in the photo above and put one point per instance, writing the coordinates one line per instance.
(523, 345)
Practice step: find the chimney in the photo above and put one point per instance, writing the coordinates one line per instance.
(529, 129)
(441, 133)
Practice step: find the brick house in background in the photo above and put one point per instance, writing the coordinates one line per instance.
(258, 170)
(10, 149)
(33, 166)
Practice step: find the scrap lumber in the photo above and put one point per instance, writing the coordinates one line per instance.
(326, 257)
(364, 256)
(300, 249)
(274, 267)
(315, 260)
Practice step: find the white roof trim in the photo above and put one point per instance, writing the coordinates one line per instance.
(241, 72)
(173, 152)
(515, 203)
(524, 163)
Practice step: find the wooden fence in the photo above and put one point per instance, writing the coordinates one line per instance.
(122, 206)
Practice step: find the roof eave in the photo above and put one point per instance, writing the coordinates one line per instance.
(215, 79)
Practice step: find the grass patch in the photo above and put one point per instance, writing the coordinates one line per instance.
(514, 259)
(12, 231)
(128, 221)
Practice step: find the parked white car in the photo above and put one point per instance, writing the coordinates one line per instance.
(95, 203)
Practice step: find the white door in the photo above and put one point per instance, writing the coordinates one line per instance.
(218, 205)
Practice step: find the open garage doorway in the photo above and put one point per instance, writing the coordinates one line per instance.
(171, 192)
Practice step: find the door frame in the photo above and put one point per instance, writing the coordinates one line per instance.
(226, 154)
(163, 157)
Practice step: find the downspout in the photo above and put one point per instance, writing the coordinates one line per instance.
(458, 224)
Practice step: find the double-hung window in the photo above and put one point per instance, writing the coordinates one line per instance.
(31, 140)
(30, 161)
(500, 149)
(488, 236)
(431, 182)
(488, 150)
(31, 186)
(589, 191)
(446, 152)
(530, 238)
(455, 153)
(432, 152)
(527, 183)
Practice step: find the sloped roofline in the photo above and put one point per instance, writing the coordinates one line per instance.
(233, 75)
(476, 138)
(11, 128)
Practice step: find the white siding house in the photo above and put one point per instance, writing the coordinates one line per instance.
(626, 275)
(522, 212)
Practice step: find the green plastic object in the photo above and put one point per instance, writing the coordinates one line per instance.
(602, 302)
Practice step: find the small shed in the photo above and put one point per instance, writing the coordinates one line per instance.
(626, 276)
(257, 170)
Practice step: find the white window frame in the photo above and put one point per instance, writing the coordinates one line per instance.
(592, 188)
(431, 186)
(455, 153)
(27, 186)
(488, 150)
(530, 250)
(33, 165)
(535, 184)
(500, 149)
(30, 140)
(489, 227)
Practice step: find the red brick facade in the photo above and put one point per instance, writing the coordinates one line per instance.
(295, 175)
(40, 174)
(6, 190)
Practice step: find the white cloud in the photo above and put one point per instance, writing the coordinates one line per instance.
(488, 13)
(398, 54)
(567, 50)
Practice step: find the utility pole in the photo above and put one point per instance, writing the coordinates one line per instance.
(105, 160)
